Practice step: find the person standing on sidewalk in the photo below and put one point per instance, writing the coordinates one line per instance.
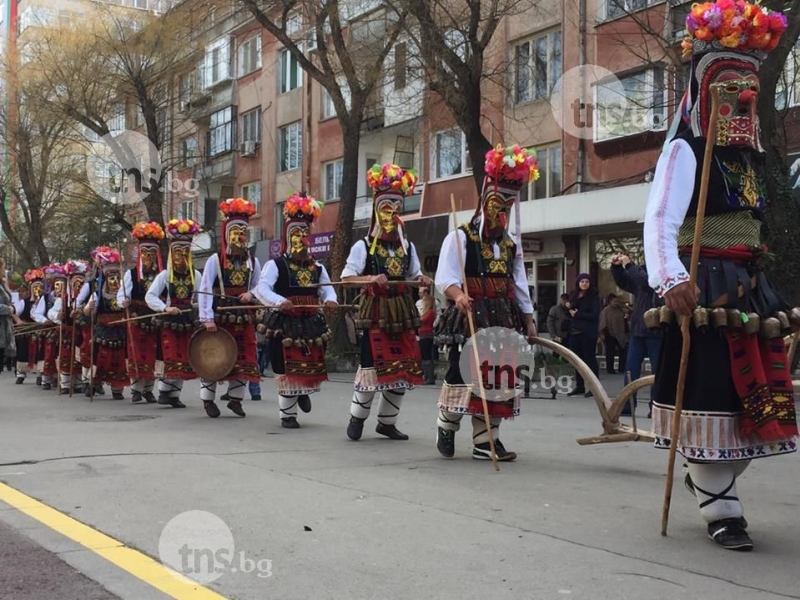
(615, 335)
(644, 342)
(559, 321)
(585, 313)
(427, 313)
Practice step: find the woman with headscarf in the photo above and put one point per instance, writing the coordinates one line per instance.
(7, 314)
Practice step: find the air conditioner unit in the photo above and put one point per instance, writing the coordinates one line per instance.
(247, 148)
(255, 234)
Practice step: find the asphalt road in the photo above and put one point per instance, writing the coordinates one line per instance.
(324, 517)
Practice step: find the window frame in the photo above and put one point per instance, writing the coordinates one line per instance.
(530, 67)
(285, 82)
(284, 164)
(529, 191)
(245, 192)
(626, 11)
(230, 123)
(465, 169)
(650, 83)
(244, 127)
(335, 164)
(182, 214)
(244, 51)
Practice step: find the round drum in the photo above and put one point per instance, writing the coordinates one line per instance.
(212, 355)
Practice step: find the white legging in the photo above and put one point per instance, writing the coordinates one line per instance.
(452, 422)
(208, 389)
(715, 488)
(388, 407)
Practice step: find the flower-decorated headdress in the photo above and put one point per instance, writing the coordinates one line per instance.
(76, 271)
(235, 211)
(148, 235)
(390, 184)
(299, 209)
(52, 272)
(103, 256)
(727, 40)
(506, 170)
(181, 232)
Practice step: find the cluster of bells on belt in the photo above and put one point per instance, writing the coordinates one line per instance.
(288, 342)
(109, 343)
(779, 325)
(232, 319)
(383, 324)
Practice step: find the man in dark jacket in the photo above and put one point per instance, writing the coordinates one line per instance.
(558, 320)
(643, 342)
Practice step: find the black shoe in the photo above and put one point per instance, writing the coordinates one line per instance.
(39, 381)
(212, 410)
(304, 402)
(255, 398)
(730, 534)
(87, 390)
(576, 392)
(19, 380)
(391, 432)
(176, 403)
(446, 443)
(163, 398)
(99, 390)
(136, 397)
(47, 386)
(290, 423)
(355, 428)
(484, 452)
(236, 407)
(63, 392)
(225, 397)
(588, 394)
(150, 398)
(117, 396)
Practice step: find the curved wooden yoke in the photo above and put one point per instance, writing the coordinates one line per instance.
(613, 430)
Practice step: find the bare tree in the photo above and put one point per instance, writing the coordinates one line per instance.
(115, 71)
(349, 64)
(466, 71)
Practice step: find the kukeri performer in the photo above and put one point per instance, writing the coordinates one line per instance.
(497, 295)
(143, 337)
(98, 299)
(233, 274)
(22, 307)
(65, 313)
(390, 356)
(172, 291)
(55, 278)
(297, 330)
(738, 398)
(38, 315)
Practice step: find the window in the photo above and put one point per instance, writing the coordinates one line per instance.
(678, 13)
(333, 180)
(630, 105)
(278, 221)
(620, 8)
(251, 126)
(221, 132)
(189, 151)
(787, 91)
(250, 55)
(328, 109)
(117, 122)
(290, 72)
(537, 66)
(450, 155)
(400, 65)
(217, 64)
(252, 193)
(187, 86)
(186, 210)
(549, 182)
(291, 147)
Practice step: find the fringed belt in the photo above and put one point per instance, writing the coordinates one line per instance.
(479, 288)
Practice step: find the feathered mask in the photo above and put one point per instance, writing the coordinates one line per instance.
(390, 184)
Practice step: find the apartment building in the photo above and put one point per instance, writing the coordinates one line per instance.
(249, 122)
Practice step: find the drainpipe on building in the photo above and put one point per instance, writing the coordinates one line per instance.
(308, 115)
(582, 62)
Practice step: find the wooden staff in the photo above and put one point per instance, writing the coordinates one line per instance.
(475, 356)
(60, 343)
(412, 282)
(91, 349)
(150, 316)
(129, 346)
(263, 306)
(72, 358)
(686, 321)
(33, 330)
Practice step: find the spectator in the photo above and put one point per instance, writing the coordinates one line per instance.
(644, 343)
(426, 347)
(585, 312)
(7, 312)
(614, 331)
(559, 320)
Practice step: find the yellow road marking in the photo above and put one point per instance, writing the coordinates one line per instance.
(134, 562)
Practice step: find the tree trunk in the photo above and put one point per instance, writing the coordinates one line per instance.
(343, 237)
(477, 146)
(26, 257)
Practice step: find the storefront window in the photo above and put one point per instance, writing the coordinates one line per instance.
(602, 248)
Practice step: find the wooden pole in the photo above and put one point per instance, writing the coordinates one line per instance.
(475, 356)
(72, 357)
(686, 320)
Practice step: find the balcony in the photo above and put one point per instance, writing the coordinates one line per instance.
(216, 169)
(209, 100)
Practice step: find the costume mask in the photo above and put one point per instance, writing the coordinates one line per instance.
(298, 239)
(181, 254)
(149, 256)
(112, 281)
(37, 290)
(76, 283)
(58, 287)
(237, 238)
